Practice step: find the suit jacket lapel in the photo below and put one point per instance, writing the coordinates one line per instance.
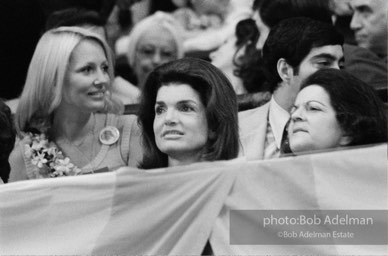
(253, 127)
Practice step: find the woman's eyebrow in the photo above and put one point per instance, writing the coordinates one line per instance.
(316, 101)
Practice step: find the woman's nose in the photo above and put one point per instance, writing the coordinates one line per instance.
(170, 117)
(102, 78)
(297, 115)
(157, 59)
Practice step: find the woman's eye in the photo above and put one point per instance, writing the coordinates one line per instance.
(87, 69)
(186, 108)
(313, 108)
(105, 68)
(147, 51)
(159, 110)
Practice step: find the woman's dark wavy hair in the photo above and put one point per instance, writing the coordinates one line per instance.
(217, 95)
(7, 140)
(248, 65)
(359, 110)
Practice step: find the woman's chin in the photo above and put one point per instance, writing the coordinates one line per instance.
(96, 108)
(300, 148)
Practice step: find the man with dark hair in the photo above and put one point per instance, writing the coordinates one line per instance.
(295, 48)
(368, 23)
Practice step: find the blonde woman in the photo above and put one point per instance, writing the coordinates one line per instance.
(152, 42)
(65, 119)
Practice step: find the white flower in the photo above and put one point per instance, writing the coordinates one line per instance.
(39, 160)
(52, 151)
(46, 156)
(63, 166)
(38, 145)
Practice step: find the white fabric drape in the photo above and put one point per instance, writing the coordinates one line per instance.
(176, 210)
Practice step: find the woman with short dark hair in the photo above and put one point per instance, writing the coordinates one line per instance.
(334, 109)
(188, 113)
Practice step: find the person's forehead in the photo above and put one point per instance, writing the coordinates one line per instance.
(313, 92)
(336, 51)
(369, 3)
(176, 91)
(87, 47)
(158, 35)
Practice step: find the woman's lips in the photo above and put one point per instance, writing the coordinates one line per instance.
(172, 133)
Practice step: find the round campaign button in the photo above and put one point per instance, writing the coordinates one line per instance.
(109, 135)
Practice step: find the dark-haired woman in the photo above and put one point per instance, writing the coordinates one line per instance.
(334, 109)
(188, 114)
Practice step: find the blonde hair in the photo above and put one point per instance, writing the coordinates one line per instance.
(159, 19)
(42, 92)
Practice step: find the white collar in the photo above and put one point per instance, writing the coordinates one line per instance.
(278, 118)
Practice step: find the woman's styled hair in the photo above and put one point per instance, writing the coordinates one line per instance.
(359, 111)
(248, 65)
(216, 94)
(42, 92)
(159, 20)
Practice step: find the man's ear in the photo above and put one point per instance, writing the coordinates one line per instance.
(285, 70)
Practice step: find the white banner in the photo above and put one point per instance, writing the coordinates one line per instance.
(176, 210)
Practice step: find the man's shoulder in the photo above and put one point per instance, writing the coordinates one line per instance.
(250, 119)
(262, 110)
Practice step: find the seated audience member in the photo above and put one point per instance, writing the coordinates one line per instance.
(248, 64)
(23, 24)
(7, 140)
(153, 41)
(333, 110)
(231, 11)
(295, 48)
(359, 62)
(91, 20)
(195, 15)
(188, 114)
(238, 59)
(369, 23)
(66, 110)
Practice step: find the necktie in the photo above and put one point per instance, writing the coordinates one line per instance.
(285, 144)
(270, 150)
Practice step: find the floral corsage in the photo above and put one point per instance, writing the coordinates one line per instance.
(47, 157)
